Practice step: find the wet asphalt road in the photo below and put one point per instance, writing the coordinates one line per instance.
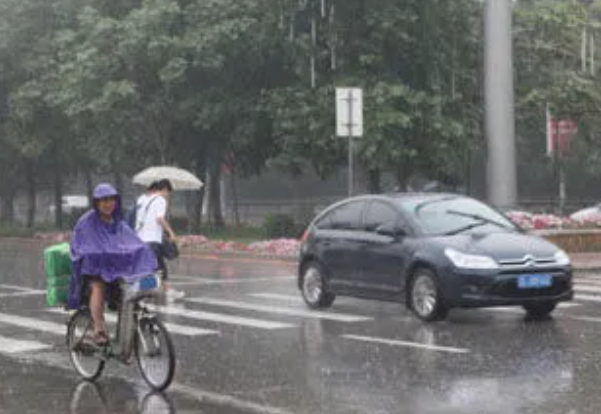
(261, 351)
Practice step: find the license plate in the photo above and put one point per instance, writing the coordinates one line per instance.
(148, 283)
(535, 281)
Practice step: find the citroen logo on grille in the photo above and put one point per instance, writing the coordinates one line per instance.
(530, 262)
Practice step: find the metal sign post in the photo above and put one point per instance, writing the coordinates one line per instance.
(349, 124)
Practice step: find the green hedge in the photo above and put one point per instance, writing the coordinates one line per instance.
(278, 226)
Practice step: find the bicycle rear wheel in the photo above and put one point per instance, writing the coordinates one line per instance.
(82, 351)
(155, 353)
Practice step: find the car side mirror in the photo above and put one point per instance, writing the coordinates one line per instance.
(391, 230)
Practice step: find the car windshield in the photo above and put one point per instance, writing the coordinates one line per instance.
(455, 215)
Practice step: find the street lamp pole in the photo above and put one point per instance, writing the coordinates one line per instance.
(499, 93)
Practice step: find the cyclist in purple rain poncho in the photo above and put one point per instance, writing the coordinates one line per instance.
(104, 250)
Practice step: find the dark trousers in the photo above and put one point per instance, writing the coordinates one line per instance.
(158, 251)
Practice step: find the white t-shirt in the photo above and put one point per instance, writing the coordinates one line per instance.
(150, 210)
(139, 203)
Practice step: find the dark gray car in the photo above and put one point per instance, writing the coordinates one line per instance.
(434, 252)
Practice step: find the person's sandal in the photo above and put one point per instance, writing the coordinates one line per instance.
(101, 339)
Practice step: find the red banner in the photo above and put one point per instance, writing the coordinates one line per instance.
(559, 134)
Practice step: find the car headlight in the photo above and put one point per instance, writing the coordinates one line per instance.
(562, 258)
(470, 261)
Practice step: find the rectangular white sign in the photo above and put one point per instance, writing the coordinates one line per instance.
(349, 112)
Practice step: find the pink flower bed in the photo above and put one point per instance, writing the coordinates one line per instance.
(55, 237)
(532, 221)
(281, 247)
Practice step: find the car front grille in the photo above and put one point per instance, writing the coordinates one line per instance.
(528, 261)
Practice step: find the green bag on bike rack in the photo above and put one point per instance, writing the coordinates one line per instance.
(57, 260)
(57, 295)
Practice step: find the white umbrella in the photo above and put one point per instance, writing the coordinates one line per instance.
(179, 178)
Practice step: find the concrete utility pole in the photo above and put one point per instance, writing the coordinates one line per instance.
(499, 92)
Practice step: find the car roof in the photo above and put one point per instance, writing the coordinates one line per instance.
(407, 196)
(392, 197)
(412, 195)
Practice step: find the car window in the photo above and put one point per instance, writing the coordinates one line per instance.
(439, 216)
(325, 223)
(380, 213)
(347, 216)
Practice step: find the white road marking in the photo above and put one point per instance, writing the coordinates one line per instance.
(587, 289)
(207, 281)
(586, 318)
(587, 298)
(305, 313)
(183, 277)
(21, 294)
(394, 342)
(19, 288)
(587, 281)
(227, 400)
(518, 309)
(173, 328)
(13, 346)
(277, 296)
(222, 318)
(34, 324)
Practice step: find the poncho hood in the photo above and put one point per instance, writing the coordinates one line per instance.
(106, 191)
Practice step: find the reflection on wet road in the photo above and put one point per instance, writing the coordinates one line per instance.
(247, 344)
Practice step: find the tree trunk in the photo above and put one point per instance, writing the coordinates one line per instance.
(119, 182)
(58, 195)
(374, 181)
(89, 183)
(31, 194)
(117, 177)
(235, 197)
(199, 169)
(7, 209)
(215, 210)
(402, 178)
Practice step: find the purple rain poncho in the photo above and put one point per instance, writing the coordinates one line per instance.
(111, 251)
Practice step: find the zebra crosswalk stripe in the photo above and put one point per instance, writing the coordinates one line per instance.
(33, 324)
(223, 318)
(14, 346)
(171, 327)
(305, 313)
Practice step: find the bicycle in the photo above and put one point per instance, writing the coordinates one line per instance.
(139, 332)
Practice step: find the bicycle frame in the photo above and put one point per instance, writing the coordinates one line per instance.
(130, 316)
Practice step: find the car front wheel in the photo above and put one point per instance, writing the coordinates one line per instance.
(424, 297)
(315, 287)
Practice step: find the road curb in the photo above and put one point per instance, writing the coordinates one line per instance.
(237, 256)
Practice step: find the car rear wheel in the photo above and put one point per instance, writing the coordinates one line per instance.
(424, 297)
(539, 311)
(315, 287)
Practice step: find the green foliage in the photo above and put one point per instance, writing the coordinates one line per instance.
(111, 87)
(280, 226)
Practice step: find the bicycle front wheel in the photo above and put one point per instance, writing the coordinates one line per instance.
(155, 353)
(84, 354)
